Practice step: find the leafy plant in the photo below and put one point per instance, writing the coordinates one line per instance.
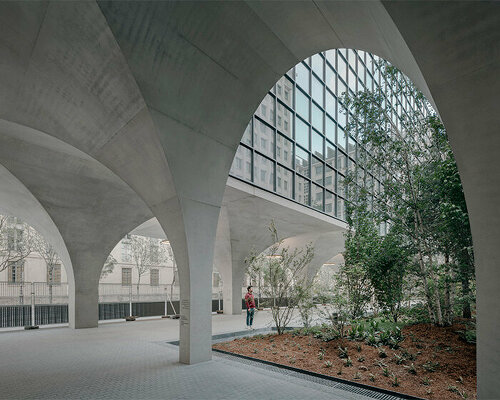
(431, 366)
(343, 352)
(411, 369)
(348, 362)
(328, 364)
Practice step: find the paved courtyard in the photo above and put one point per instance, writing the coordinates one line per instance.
(134, 361)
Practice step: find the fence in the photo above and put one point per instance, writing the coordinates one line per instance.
(48, 303)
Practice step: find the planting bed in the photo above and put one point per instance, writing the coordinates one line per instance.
(432, 363)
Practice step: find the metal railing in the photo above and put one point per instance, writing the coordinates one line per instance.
(40, 303)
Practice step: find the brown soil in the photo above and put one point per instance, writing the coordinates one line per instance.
(454, 360)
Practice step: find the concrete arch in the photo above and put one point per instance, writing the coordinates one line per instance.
(17, 200)
(88, 207)
(191, 74)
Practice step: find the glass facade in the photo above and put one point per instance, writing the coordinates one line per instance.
(296, 145)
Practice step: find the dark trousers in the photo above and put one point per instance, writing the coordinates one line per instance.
(250, 313)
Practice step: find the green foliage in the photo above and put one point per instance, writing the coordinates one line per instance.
(415, 192)
(284, 275)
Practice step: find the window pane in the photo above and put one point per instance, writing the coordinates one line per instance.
(284, 120)
(302, 190)
(284, 181)
(263, 138)
(284, 151)
(352, 80)
(330, 129)
(247, 136)
(329, 202)
(317, 65)
(340, 208)
(317, 118)
(317, 197)
(342, 68)
(329, 178)
(330, 153)
(341, 88)
(317, 91)
(317, 171)
(317, 144)
(301, 133)
(341, 162)
(341, 139)
(301, 161)
(330, 56)
(302, 77)
(242, 164)
(330, 79)
(330, 104)
(266, 110)
(302, 105)
(284, 91)
(341, 115)
(352, 148)
(264, 172)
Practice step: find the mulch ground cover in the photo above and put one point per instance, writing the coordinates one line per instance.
(433, 363)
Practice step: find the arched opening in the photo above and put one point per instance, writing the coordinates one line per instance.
(33, 278)
(309, 142)
(140, 276)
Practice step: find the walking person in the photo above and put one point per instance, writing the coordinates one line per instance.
(250, 302)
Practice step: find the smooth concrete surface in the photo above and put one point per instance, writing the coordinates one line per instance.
(133, 361)
(129, 110)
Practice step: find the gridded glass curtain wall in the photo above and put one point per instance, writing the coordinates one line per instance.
(295, 145)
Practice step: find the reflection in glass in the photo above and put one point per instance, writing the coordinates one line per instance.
(247, 136)
(302, 190)
(317, 171)
(284, 120)
(317, 117)
(301, 133)
(330, 129)
(317, 197)
(329, 202)
(330, 178)
(284, 151)
(264, 172)
(317, 144)
(330, 153)
(263, 138)
(341, 162)
(317, 65)
(302, 76)
(284, 181)
(330, 80)
(284, 91)
(317, 91)
(242, 164)
(266, 109)
(302, 161)
(302, 105)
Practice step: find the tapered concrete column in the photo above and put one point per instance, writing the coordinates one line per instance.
(83, 305)
(232, 275)
(232, 291)
(195, 257)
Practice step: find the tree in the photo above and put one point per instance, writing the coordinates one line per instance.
(415, 187)
(284, 275)
(108, 266)
(387, 270)
(49, 255)
(16, 241)
(146, 253)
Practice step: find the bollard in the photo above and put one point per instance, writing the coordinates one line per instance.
(32, 326)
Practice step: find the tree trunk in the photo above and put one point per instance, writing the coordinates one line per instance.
(466, 310)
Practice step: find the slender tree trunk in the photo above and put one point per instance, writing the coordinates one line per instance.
(466, 310)
(448, 312)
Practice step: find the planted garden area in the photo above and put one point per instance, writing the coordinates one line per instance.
(420, 360)
(398, 312)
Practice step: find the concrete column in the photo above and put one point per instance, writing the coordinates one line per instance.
(193, 244)
(83, 305)
(232, 291)
(231, 273)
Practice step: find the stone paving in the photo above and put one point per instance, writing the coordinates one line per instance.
(134, 361)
